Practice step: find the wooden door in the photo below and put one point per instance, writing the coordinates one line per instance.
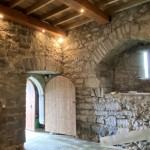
(30, 106)
(60, 110)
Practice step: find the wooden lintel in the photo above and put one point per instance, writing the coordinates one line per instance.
(89, 10)
(16, 16)
(67, 18)
(126, 6)
(14, 3)
(38, 6)
(54, 12)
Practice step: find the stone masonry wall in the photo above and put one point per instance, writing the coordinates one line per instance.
(21, 50)
(83, 51)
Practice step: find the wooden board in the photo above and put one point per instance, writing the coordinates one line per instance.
(60, 110)
(30, 106)
(132, 136)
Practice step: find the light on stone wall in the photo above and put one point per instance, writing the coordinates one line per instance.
(146, 64)
(60, 40)
(1, 16)
(82, 10)
(43, 31)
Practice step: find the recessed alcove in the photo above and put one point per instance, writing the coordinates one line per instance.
(124, 85)
(127, 70)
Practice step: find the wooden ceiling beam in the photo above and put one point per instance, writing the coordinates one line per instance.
(16, 16)
(38, 5)
(100, 3)
(90, 10)
(54, 12)
(109, 3)
(77, 24)
(67, 18)
(125, 6)
(104, 3)
(14, 3)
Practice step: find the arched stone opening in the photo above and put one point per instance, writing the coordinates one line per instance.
(122, 37)
(41, 108)
(121, 104)
(123, 69)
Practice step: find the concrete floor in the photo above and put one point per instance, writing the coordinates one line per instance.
(45, 141)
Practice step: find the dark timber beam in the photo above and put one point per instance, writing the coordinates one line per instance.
(29, 21)
(90, 10)
(14, 3)
(67, 18)
(126, 6)
(38, 5)
(54, 12)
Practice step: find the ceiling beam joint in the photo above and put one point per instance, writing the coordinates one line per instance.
(54, 12)
(18, 17)
(90, 10)
(40, 4)
(15, 3)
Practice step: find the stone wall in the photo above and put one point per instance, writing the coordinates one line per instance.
(21, 50)
(121, 113)
(83, 51)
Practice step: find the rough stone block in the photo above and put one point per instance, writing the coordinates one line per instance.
(92, 82)
(100, 120)
(87, 106)
(98, 92)
(91, 119)
(122, 123)
(113, 106)
(92, 93)
(91, 99)
(111, 121)
(79, 81)
(98, 106)
(85, 112)
(100, 113)
(82, 118)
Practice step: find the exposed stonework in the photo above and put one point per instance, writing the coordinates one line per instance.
(84, 49)
(21, 50)
(139, 145)
(114, 114)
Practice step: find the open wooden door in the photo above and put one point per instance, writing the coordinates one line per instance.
(30, 106)
(60, 107)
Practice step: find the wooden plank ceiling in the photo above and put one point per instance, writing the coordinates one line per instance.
(59, 16)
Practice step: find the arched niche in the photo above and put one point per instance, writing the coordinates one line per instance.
(123, 69)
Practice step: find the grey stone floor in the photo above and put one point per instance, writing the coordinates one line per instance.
(45, 141)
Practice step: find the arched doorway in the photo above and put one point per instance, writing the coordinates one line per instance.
(58, 113)
(34, 104)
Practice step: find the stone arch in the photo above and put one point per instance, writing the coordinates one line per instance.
(122, 37)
